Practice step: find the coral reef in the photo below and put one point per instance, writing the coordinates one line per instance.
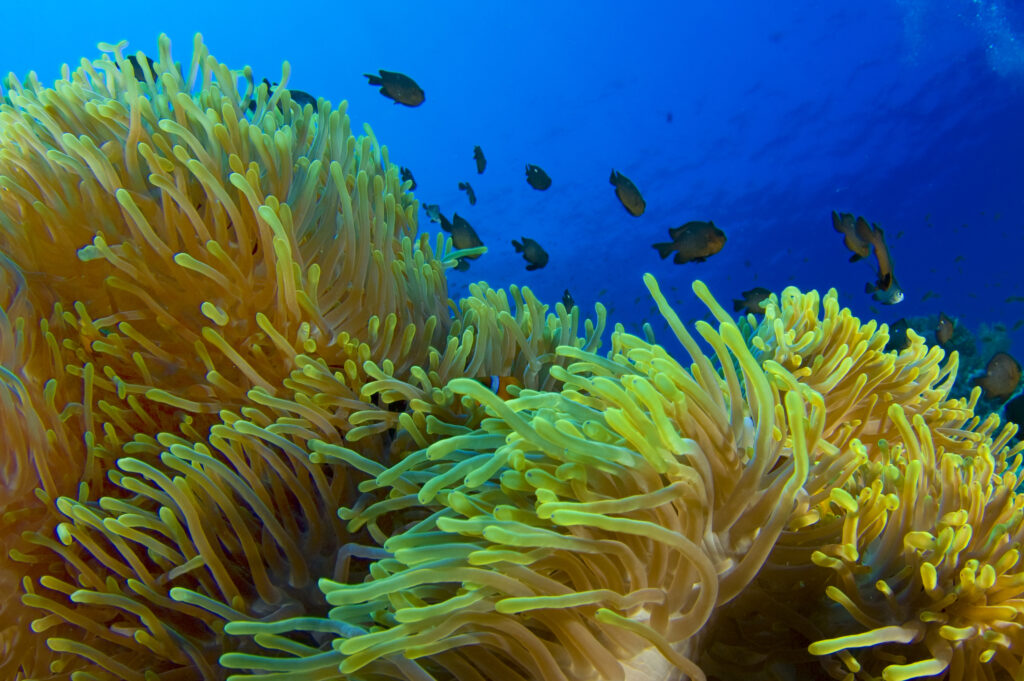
(245, 434)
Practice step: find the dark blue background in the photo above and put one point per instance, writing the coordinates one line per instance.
(909, 113)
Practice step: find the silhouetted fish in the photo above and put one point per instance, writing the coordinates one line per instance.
(536, 177)
(478, 156)
(398, 86)
(536, 256)
(628, 194)
(898, 339)
(406, 176)
(751, 301)
(568, 301)
(470, 194)
(694, 241)
(1001, 377)
(463, 236)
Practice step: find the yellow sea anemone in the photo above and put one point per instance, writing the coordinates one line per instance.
(175, 263)
(588, 531)
(245, 431)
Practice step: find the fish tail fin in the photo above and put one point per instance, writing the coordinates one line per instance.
(612, 178)
(869, 288)
(518, 246)
(664, 249)
(855, 257)
(374, 80)
(737, 305)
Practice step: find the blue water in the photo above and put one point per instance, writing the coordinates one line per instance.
(910, 113)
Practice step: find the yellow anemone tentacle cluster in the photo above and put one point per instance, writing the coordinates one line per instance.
(245, 433)
(194, 276)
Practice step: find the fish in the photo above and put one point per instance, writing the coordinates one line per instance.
(481, 162)
(944, 329)
(298, 96)
(433, 211)
(751, 301)
(886, 289)
(137, 70)
(536, 177)
(406, 176)
(568, 301)
(470, 194)
(302, 98)
(694, 241)
(532, 252)
(505, 387)
(928, 295)
(1001, 377)
(898, 339)
(628, 194)
(463, 236)
(846, 224)
(398, 86)
(1014, 411)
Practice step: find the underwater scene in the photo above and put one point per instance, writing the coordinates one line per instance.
(531, 342)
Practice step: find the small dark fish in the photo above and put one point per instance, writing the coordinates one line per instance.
(1001, 377)
(928, 295)
(433, 211)
(406, 176)
(398, 86)
(470, 194)
(138, 71)
(568, 301)
(302, 98)
(537, 178)
(628, 194)
(751, 301)
(944, 329)
(846, 224)
(298, 96)
(694, 241)
(886, 289)
(898, 339)
(481, 162)
(1014, 411)
(463, 236)
(668, 117)
(532, 252)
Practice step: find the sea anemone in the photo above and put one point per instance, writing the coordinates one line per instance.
(246, 431)
(180, 271)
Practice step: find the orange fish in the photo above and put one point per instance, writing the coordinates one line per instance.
(852, 230)
(505, 387)
(1001, 377)
(886, 289)
(944, 329)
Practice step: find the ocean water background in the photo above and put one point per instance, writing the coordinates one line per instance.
(763, 117)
